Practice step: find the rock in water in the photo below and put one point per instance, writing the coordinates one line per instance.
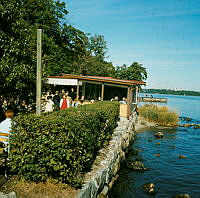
(159, 135)
(197, 126)
(182, 156)
(149, 188)
(188, 125)
(136, 165)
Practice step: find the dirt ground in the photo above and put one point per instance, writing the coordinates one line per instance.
(33, 190)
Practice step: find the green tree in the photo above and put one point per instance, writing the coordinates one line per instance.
(97, 46)
(93, 66)
(134, 72)
(62, 43)
(65, 57)
(92, 62)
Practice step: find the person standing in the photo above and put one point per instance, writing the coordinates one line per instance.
(49, 104)
(61, 94)
(64, 103)
(137, 113)
(73, 96)
(56, 100)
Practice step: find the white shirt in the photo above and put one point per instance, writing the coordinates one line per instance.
(5, 127)
(49, 106)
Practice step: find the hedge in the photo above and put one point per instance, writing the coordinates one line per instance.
(61, 145)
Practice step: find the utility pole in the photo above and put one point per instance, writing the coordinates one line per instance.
(39, 71)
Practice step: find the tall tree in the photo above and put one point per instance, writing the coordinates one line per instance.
(93, 61)
(134, 72)
(97, 46)
(65, 56)
(19, 21)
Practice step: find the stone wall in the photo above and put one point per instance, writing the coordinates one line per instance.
(104, 170)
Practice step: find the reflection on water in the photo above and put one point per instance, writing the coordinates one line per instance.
(170, 174)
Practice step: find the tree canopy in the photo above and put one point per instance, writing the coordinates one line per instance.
(134, 72)
(97, 46)
(19, 22)
(65, 49)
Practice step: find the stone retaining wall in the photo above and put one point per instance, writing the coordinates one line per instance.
(104, 170)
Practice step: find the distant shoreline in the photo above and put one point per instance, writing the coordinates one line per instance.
(170, 92)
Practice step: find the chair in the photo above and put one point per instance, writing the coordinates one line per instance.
(4, 150)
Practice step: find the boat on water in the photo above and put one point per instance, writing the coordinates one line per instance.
(152, 99)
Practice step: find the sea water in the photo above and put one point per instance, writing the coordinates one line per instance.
(170, 174)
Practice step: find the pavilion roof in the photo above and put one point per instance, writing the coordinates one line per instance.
(100, 79)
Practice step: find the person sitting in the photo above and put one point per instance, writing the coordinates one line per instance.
(76, 102)
(5, 126)
(123, 101)
(92, 101)
(81, 102)
(115, 98)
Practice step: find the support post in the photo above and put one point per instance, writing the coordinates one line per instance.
(102, 91)
(83, 91)
(77, 90)
(129, 101)
(136, 94)
(39, 71)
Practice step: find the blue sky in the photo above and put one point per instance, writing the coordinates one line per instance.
(163, 35)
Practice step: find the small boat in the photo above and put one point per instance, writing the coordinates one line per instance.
(152, 99)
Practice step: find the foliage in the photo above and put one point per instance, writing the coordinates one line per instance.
(64, 57)
(61, 145)
(61, 43)
(160, 115)
(92, 62)
(97, 46)
(65, 49)
(172, 92)
(93, 66)
(134, 72)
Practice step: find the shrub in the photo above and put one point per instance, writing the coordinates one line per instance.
(61, 145)
(159, 115)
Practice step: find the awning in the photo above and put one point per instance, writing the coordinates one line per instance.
(60, 81)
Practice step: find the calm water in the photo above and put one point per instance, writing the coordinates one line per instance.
(170, 174)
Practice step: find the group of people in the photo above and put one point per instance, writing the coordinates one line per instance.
(60, 101)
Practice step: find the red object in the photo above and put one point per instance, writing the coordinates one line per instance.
(64, 104)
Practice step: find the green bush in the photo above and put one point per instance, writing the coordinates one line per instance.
(61, 145)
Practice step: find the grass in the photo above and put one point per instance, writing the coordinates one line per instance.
(37, 190)
(159, 114)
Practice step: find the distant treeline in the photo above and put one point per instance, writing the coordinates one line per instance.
(172, 92)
